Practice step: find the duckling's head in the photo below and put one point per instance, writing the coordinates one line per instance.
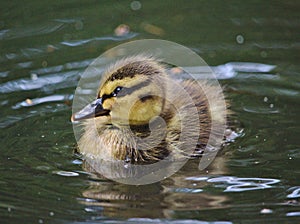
(131, 92)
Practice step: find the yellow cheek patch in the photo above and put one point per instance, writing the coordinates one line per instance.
(143, 112)
(108, 103)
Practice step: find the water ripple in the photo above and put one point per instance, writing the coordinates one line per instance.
(260, 110)
(266, 21)
(237, 184)
(4, 74)
(149, 220)
(46, 99)
(29, 53)
(69, 78)
(196, 178)
(76, 43)
(31, 31)
(293, 214)
(232, 69)
(26, 53)
(59, 68)
(187, 190)
(250, 67)
(295, 193)
(6, 121)
(245, 70)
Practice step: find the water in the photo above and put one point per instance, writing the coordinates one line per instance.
(44, 47)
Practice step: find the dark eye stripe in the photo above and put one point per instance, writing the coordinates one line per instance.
(125, 91)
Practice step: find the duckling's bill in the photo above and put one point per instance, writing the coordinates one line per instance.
(94, 109)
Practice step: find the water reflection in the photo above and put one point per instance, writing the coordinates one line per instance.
(117, 200)
(162, 199)
(109, 199)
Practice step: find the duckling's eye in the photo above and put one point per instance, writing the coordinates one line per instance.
(113, 94)
(116, 91)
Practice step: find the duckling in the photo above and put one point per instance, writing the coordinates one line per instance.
(140, 113)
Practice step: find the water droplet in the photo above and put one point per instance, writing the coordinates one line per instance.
(34, 76)
(127, 159)
(28, 102)
(79, 25)
(263, 54)
(266, 211)
(50, 48)
(89, 209)
(44, 64)
(77, 161)
(66, 173)
(122, 30)
(135, 5)
(239, 39)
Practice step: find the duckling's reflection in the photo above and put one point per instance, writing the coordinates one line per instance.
(157, 200)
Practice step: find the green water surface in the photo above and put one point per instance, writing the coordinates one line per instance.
(46, 45)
